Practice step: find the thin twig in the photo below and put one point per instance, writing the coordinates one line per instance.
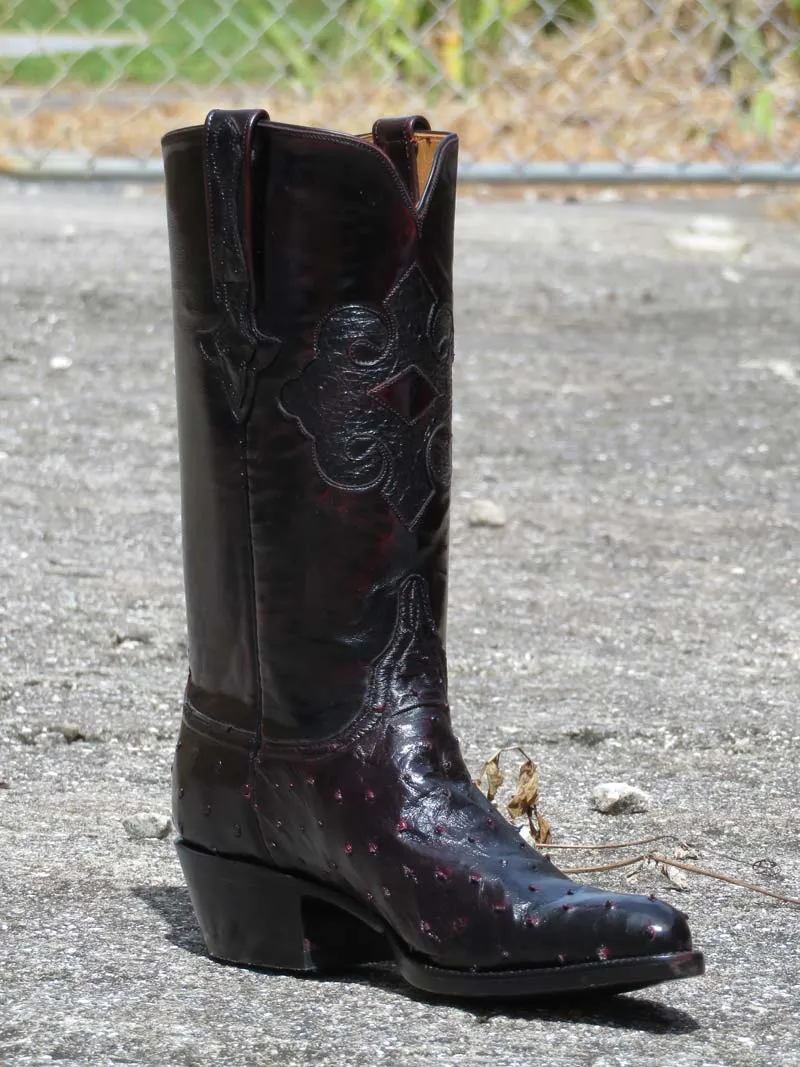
(605, 866)
(655, 857)
(614, 844)
(723, 878)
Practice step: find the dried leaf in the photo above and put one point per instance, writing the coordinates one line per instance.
(525, 803)
(527, 795)
(494, 776)
(674, 875)
(544, 832)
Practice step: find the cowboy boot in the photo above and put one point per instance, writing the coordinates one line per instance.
(326, 816)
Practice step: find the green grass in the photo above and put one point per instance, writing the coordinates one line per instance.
(247, 40)
(253, 40)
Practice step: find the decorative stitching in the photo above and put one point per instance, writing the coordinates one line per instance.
(236, 365)
(410, 672)
(213, 728)
(396, 138)
(235, 347)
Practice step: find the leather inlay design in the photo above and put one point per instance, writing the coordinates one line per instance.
(375, 401)
(235, 347)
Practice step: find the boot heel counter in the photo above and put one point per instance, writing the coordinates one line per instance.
(211, 787)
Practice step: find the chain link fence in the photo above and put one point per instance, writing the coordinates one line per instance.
(558, 90)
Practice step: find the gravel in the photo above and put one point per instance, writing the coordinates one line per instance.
(635, 412)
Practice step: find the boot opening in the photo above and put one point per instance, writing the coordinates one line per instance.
(427, 142)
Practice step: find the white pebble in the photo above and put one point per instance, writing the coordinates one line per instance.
(60, 363)
(710, 233)
(619, 798)
(730, 244)
(712, 224)
(486, 513)
(147, 825)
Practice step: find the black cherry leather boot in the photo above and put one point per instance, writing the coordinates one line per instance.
(326, 816)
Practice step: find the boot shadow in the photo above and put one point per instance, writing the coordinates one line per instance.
(172, 903)
(622, 1012)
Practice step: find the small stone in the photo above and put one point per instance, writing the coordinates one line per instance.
(709, 233)
(486, 513)
(131, 637)
(60, 363)
(619, 798)
(146, 826)
(712, 224)
(70, 731)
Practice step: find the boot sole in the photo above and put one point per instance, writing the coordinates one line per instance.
(255, 916)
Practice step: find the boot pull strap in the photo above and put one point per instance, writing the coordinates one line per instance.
(395, 137)
(227, 164)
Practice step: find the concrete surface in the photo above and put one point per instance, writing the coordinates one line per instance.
(633, 407)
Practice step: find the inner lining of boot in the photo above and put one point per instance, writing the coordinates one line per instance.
(427, 142)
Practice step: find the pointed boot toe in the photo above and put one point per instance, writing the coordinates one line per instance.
(663, 927)
(594, 924)
(326, 817)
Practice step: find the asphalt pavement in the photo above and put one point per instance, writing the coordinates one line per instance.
(626, 608)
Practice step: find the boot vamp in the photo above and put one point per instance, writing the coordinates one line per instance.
(391, 818)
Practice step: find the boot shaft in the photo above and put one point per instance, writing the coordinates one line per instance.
(313, 326)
